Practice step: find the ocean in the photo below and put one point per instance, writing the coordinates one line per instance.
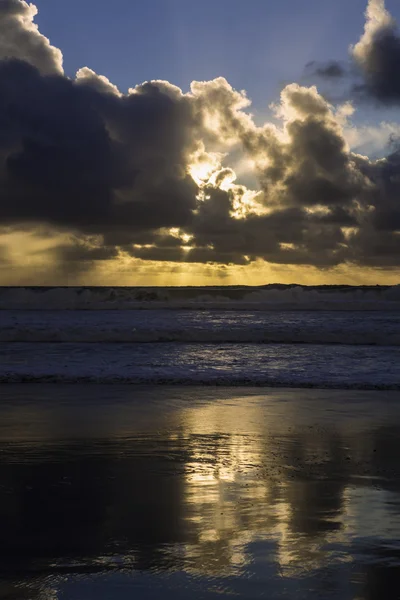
(287, 336)
(206, 443)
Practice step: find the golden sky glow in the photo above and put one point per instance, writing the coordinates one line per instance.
(42, 269)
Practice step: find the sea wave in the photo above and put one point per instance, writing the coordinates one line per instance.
(201, 327)
(335, 367)
(244, 336)
(273, 297)
(221, 381)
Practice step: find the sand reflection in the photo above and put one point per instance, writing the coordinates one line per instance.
(245, 489)
(259, 472)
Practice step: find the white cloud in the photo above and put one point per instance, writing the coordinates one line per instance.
(21, 39)
(377, 19)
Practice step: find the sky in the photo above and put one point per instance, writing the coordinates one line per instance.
(281, 164)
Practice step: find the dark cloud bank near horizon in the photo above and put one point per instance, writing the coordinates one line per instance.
(118, 172)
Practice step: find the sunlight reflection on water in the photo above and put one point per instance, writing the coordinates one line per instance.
(111, 492)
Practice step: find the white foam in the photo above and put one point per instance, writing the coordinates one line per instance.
(289, 327)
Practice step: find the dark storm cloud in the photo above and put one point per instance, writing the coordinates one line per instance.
(117, 172)
(320, 167)
(380, 234)
(76, 157)
(285, 236)
(80, 252)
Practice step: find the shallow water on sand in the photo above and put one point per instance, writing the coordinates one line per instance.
(111, 492)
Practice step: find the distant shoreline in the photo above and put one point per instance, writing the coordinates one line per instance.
(268, 286)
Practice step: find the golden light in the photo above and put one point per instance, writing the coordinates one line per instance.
(174, 231)
(32, 248)
(318, 209)
(349, 232)
(284, 246)
(246, 203)
(203, 165)
(201, 172)
(180, 235)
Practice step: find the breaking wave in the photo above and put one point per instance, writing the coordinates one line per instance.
(272, 297)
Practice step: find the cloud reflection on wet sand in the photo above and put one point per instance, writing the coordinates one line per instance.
(198, 492)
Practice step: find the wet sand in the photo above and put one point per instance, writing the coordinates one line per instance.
(117, 492)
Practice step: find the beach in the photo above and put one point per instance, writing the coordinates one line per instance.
(199, 443)
(111, 491)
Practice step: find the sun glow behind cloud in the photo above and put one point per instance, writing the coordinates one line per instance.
(154, 183)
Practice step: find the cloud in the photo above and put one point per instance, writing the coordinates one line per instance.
(79, 157)
(372, 139)
(374, 59)
(378, 22)
(378, 54)
(329, 70)
(147, 175)
(323, 203)
(20, 38)
(100, 83)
